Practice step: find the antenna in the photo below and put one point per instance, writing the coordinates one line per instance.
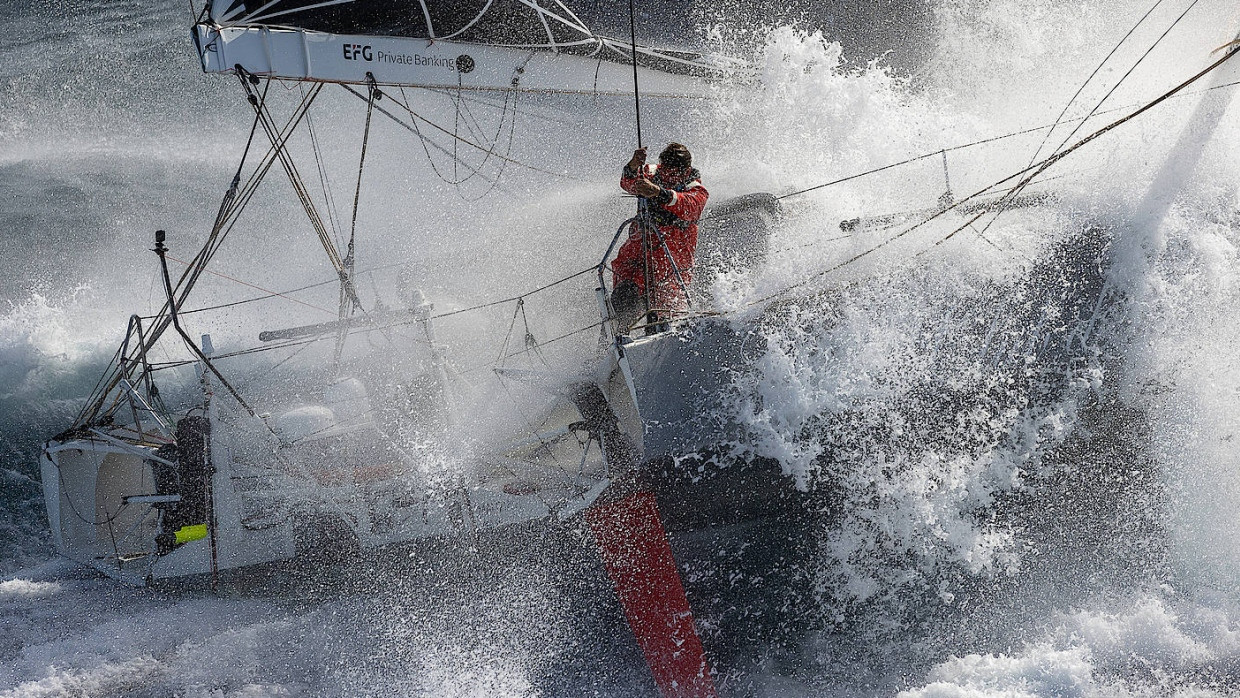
(162, 250)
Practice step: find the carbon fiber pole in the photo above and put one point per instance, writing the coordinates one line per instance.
(637, 97)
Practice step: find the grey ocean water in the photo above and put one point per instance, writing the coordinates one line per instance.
(1070, 532)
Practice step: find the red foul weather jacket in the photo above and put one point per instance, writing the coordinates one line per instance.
(675, 219)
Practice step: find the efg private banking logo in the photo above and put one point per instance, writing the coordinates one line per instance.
(364, 52)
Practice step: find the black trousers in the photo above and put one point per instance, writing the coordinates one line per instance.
(629, 306)
(627, 301)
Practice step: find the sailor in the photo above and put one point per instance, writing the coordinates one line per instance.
(661, 242)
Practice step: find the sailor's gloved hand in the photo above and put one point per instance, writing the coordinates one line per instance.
(639, 159)
(647, 189)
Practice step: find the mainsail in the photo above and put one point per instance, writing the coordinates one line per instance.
(533, 45)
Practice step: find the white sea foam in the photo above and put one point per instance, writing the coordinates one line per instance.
(39, 339)
(1151, 647)
(26, 588)
(488, 635)
(1187, 313)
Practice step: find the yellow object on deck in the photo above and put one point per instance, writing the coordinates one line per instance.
(186, 534)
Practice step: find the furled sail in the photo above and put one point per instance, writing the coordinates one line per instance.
(534, 45)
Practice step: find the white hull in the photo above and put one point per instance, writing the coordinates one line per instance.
(672, 377)
(105, 505)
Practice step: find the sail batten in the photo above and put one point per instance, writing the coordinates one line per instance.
(264, 18)
(465, 28)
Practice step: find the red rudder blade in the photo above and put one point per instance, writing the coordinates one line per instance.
(639, 561)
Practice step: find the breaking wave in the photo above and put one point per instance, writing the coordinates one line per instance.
(950, 476)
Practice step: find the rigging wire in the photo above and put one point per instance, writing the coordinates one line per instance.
(303, 195)
(491, 304)
(1127, 74)
(472, 123)
(426, 142)
(1020, 187)
(471, 99)
(461, 106)
(232, 202)
(503, 349)
(455, 136)
(963, 146)
(278, 294)
(324, 181)
(456, 128)
(357, 197)
(531, 342)
(401, 323)
(226, 223)
(1030, 173)
(1079, 90)
(271, 294)
(230, 195)
(479, 367)
(267, 373)
(283, 294)
(513, 96)
(503, 165)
